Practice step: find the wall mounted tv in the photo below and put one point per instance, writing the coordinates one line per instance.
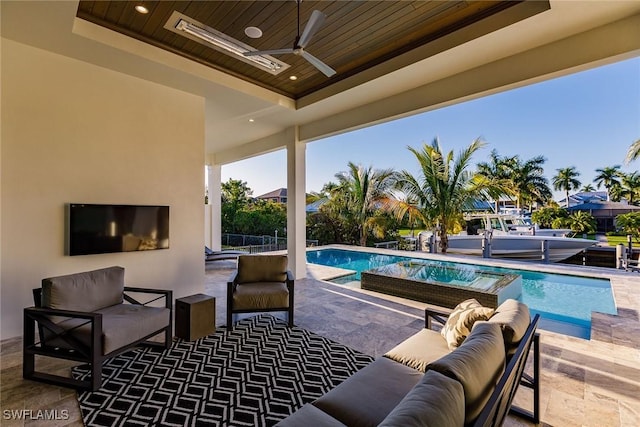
(99, 229)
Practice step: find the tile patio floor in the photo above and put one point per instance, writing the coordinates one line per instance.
(584, 382)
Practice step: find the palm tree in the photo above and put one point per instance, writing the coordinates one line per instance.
(630, 187)
(588, 188)
(634, 152)
(367, 189)
(512, 176)
(608, 177)
(498, 172)
(582, 222)
(529, 183)
(444, 187)
(567, 180)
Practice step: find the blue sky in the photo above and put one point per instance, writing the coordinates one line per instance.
(587, 120)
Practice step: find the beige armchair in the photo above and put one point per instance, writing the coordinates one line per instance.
(261, 283)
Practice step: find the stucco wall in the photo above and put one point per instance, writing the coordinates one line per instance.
(75, 132)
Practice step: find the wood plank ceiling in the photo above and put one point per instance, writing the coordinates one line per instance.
(355, 36)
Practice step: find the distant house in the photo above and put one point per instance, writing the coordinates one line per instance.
(605, 213)
(314, 207)
(480, 206)
(277, 196)
(585, 197)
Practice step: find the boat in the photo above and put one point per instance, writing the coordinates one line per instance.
(503, 236)
(511, 224)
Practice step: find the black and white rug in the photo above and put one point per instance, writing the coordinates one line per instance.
(255, 375)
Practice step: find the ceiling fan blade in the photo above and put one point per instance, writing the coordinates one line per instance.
(268, 52)
(326, 70)
(313, 25)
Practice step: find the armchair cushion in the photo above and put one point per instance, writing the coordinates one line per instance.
(126, 323)
(260, 296)
(261, 268)
(122, 324)
(88, 291)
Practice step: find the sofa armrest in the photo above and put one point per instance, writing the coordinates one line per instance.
(162, 293)
(439, 315)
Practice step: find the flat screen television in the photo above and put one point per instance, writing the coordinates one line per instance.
(99, 229)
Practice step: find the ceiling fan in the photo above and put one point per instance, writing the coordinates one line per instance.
(313, 25)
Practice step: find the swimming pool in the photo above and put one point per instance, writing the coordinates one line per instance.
(564, 302)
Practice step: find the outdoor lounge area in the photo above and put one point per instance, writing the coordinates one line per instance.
(583, 382)
(126, 104)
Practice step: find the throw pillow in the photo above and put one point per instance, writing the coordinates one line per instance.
(461, 320)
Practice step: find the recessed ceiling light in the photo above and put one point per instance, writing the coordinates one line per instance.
(253, 32)
(251, 120)
(141, 9)
(293, 77)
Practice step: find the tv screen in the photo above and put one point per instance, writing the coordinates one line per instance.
(99, 229)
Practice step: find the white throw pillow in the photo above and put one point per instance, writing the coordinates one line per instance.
(461, 320)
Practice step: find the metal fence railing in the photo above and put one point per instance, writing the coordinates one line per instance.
(256, 244)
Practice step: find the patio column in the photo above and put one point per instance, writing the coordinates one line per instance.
(213, 212)
(296, 204)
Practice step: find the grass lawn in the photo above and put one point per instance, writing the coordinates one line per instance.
(404, 232)
(616, 240)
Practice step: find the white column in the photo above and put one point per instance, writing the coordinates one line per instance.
(296, 204)
(215, 202)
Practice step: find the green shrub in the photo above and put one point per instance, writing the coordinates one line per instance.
(629, 223)
(544, 217)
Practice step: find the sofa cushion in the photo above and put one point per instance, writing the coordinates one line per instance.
(266, 295)
(369, 395)
(461, 320)
(420, 349)
(436, 401)
(514, 318)
(88, 291)
(477, 364)
(309, 416)
(261, 268)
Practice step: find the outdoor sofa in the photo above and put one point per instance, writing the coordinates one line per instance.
(423, 382)
(90, 317)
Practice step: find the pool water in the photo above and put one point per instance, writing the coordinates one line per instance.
(564, 302)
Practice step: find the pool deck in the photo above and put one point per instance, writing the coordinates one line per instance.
(592, 382)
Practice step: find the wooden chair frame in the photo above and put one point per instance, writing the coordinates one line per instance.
(91, 354)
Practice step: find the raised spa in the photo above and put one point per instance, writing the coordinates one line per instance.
(444, 286)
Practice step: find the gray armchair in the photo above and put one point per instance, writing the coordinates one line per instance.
(89, 317)
(261, 283)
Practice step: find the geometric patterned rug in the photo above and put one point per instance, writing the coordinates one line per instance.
(255, 375)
